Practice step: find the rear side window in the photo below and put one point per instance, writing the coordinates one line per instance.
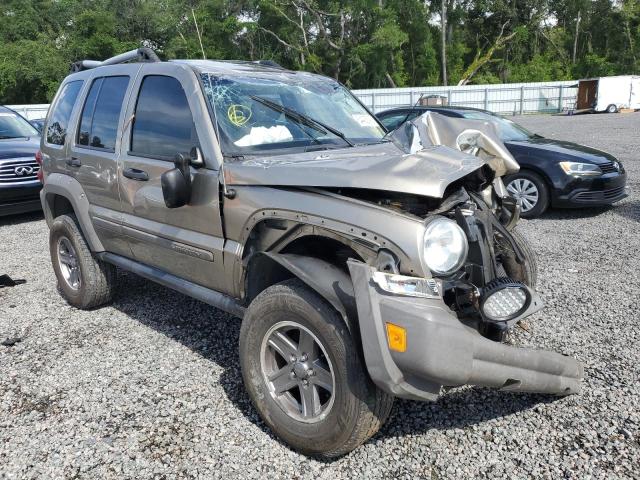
(163, 124)
(59, 120)
(101, 112)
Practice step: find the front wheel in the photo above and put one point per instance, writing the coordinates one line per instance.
(612, 108)
(305, 375)
(531, 190)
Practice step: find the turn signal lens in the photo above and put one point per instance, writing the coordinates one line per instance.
(396, 338)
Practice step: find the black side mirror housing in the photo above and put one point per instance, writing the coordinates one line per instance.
(176, 183)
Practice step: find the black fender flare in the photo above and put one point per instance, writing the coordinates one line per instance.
(326, 279)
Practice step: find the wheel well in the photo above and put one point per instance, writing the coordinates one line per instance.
(59, 205)
(262, 271)
(542, 175)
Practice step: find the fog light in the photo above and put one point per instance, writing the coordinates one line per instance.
(504, 299)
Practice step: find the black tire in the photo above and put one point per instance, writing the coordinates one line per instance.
(359, 408)
(543, 192)
(96, 280)
(526, 272)
(612, 108)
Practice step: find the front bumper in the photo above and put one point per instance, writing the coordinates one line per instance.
(599, 191)
(442, 351)
(20, 198)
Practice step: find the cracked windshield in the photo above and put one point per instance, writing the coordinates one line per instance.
(287, 114)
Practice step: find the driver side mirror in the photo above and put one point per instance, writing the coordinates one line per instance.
(176, 183)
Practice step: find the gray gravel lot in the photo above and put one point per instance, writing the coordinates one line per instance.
(150, 386)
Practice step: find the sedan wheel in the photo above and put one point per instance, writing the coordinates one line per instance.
(532, 191)
(526, 191)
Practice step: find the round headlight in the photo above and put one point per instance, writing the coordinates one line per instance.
(445, 246)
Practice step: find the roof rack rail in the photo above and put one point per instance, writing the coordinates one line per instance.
(143, 54)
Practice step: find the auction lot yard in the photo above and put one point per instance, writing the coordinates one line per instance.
(150, 387)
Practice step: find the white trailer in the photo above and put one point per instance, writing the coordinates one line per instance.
(609, 94)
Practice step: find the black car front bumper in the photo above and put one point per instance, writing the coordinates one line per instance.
(20, 198)
(598, 191)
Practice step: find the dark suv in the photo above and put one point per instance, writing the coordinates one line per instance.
(365, 266)
(19, 185)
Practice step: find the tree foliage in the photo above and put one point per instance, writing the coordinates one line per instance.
(363, 43)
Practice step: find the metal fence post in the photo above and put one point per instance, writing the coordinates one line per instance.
(486, 99)
(373, 102)
(448, 97)
(521, 100)
(560, 99)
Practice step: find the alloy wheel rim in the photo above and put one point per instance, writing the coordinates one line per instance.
(297, 372)
(526, 191)
(68, 262)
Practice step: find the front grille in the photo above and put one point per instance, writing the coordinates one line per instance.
(609, 167)
(603, 194)
(613, 192)
(18, 170)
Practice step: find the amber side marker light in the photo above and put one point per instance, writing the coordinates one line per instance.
(396, 338)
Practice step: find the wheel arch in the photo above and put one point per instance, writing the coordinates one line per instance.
(317, 258)
(62, 194)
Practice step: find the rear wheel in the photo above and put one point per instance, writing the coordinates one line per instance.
(531, 190)
(305, 375)
(612, 108)
(84, 281)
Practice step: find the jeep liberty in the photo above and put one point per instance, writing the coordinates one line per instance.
(365, 264)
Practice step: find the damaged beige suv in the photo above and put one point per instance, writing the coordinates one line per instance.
(365, 265)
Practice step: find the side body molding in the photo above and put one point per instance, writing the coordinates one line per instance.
(70, 188)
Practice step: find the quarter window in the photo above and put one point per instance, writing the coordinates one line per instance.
(163, 124)
(59, 120)
(101, 112)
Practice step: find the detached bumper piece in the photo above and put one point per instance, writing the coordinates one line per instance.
(442, 351)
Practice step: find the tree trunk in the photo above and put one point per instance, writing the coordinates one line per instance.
(443, 28)
(575, 39)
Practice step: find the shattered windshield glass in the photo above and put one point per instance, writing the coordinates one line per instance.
(282, 113)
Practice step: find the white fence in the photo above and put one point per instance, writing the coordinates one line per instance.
(31, 112)
(509, 98)
(513, 98)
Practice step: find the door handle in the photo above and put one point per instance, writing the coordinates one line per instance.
(135, 174)
(73, 162)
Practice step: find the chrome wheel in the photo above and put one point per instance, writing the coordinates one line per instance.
(526, 191)
(68, 263)
(297, 371)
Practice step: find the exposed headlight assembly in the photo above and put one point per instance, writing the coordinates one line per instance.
(580, 169)
(445, 246)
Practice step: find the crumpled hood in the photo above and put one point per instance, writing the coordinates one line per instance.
(409, 164)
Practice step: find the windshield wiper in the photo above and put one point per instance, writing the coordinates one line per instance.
(302, 119)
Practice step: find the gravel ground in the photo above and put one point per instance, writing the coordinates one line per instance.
(150, 386)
